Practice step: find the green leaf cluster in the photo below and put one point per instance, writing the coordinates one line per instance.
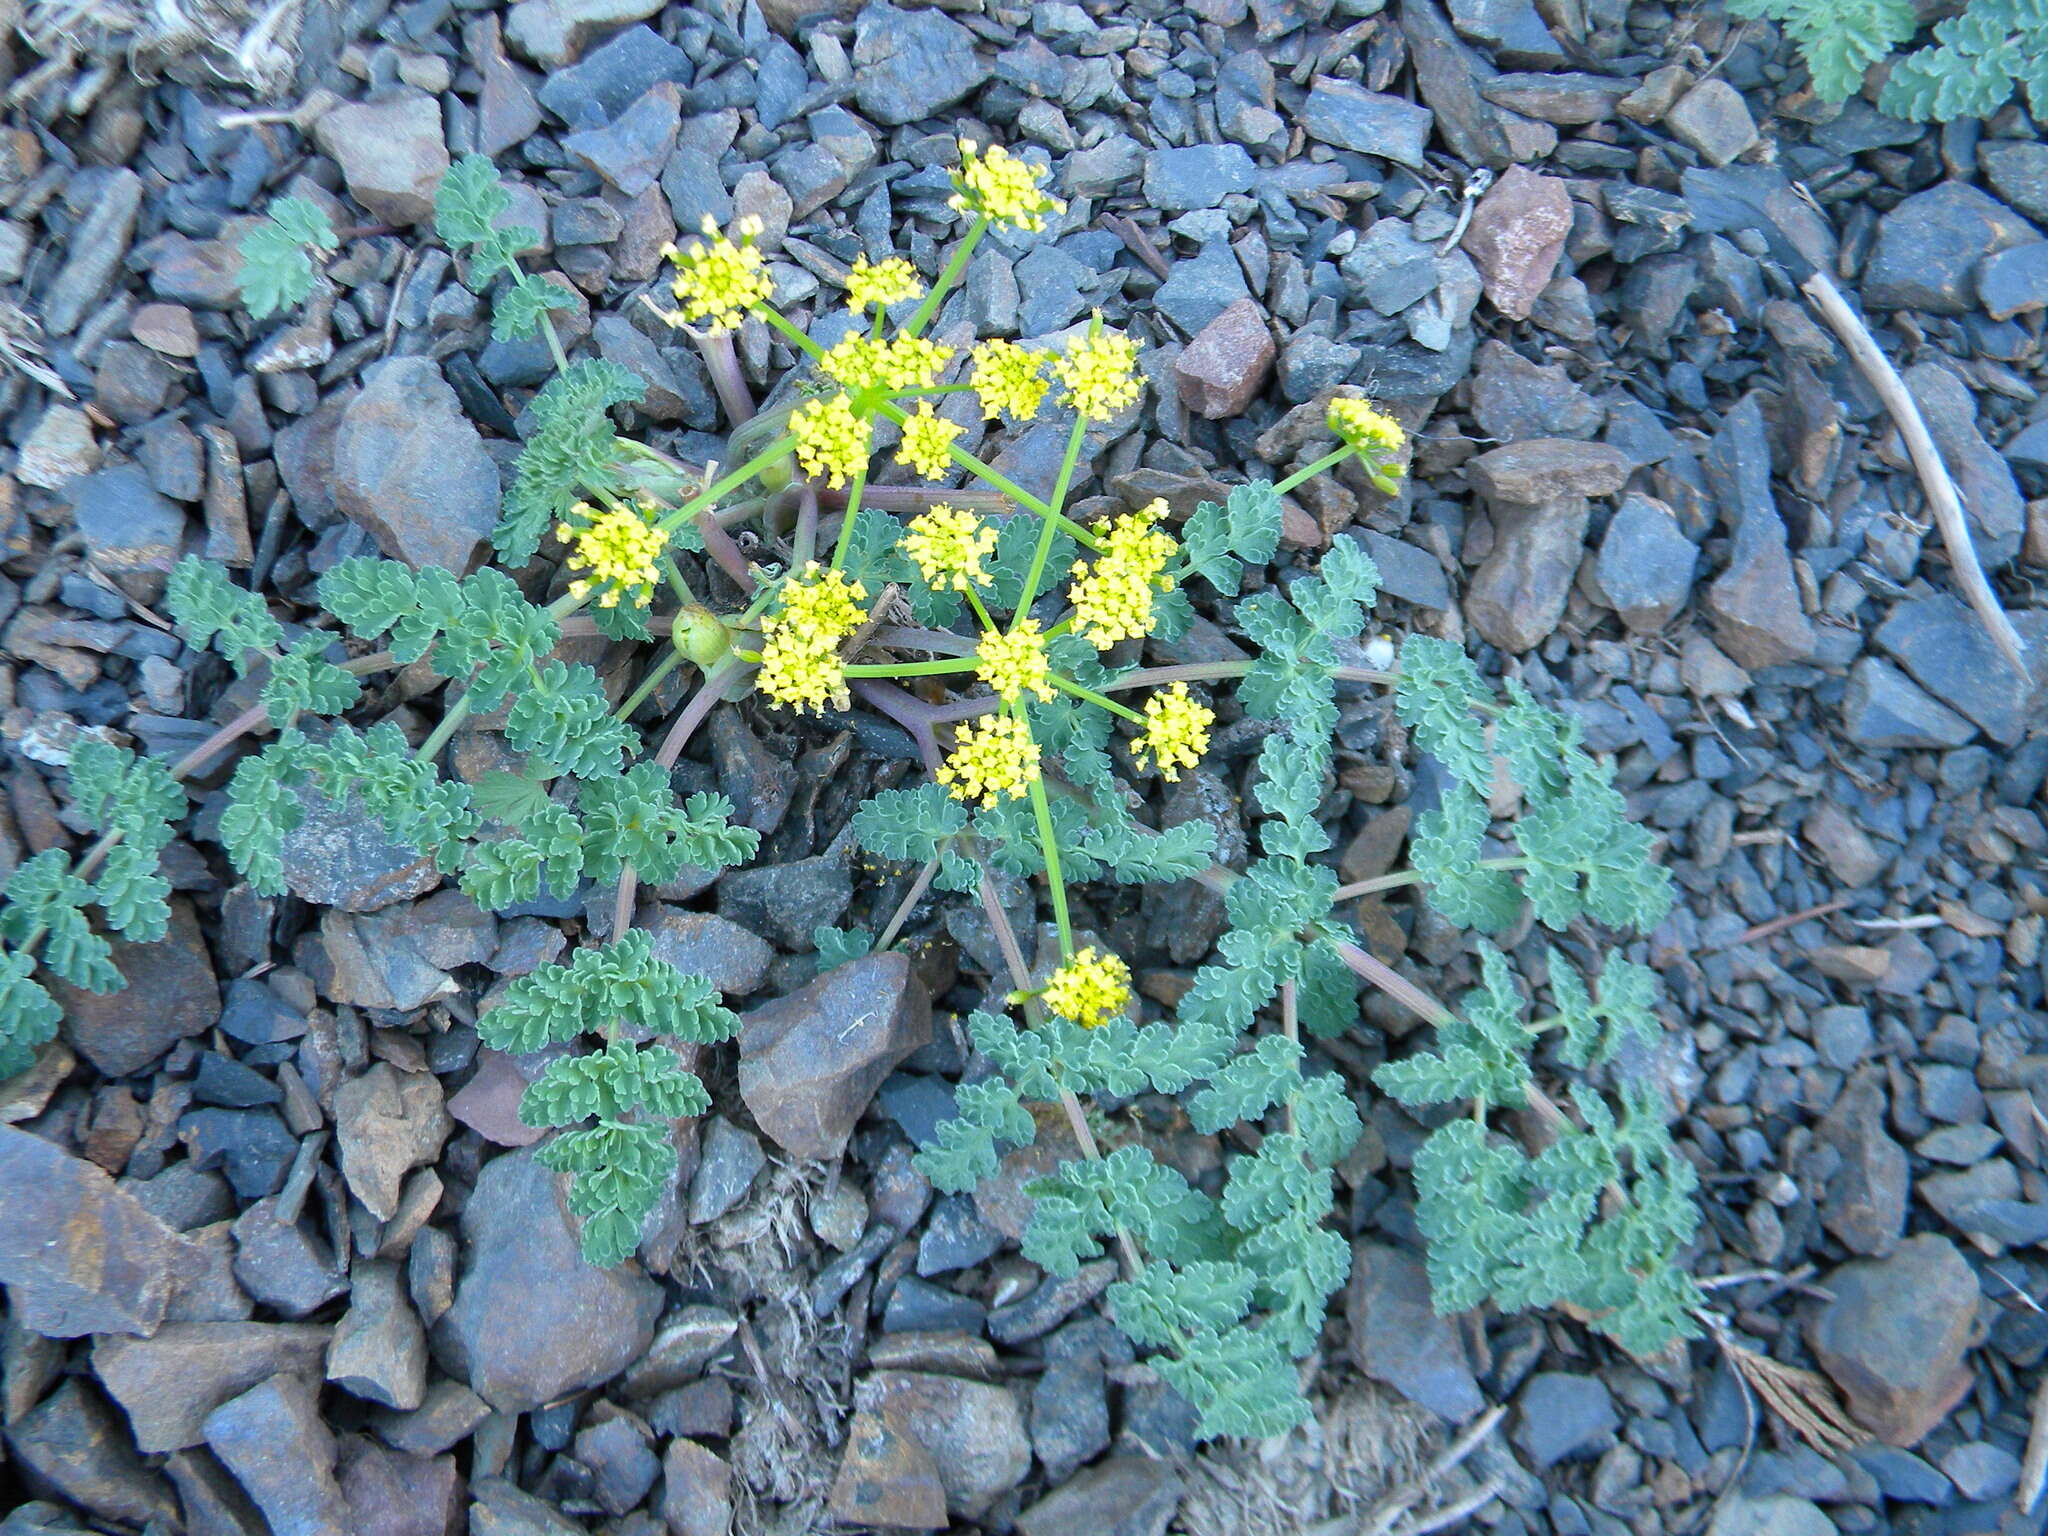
(627, 1092)
(277, 262)
(469, 207)
(572, 452)
(1971, 69)
(1292, 680)
(1218, 542)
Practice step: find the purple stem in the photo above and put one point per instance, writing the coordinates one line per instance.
(726, 378)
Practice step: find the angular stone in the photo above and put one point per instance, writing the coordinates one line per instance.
(973, 1431)
(1447, 77)
(1929, 247)
(1518, 594)
(1778, 1514)
(630, 153)
(168, 1384)
(131, 532)
(94, 252)
(1346, 114)
(909, 65)
(1894, 1335)
(1992, 503)
(730, 957)
(1398, 1338)
(1517, 233)
(1865, 1204)
(1714, 119)
(273, 1439)
(552, 33)
(379, 1351)
(1884, 709)
(2014, 282)
(1200, 176)
(392, 1494)
(378, 960)
(1561, 1414)
(78, 1445)
(1943, 644)
(887, 1478)
(2018, 172)
(1531, 473)
(1566, 97)
(59, 449)
(810, 1062)
(410, 468)
(78, 1255)
(390, 151)
(696, 1498)
(387, 1123)
(1758, 617)
(521, 1244)
(282, 1265)
(1121, 1496)
(1223, 369)
(1645, 567)
(337, 856)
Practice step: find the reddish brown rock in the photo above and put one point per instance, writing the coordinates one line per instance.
(1222, 370)
(1516, 235)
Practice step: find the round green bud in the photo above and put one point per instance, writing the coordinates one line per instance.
(700, 635)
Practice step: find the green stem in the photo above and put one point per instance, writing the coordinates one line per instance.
(1405, 877)
(1041, 808)
(438, 738)
(797, 338)
(910, 900)
(947, 278)
(710, 495)
(1010, 488)
(1068, 685)
(845, 539)
(1310, 471)
(912, 668)
(648, 684)
(547, 329)
(1050, 527)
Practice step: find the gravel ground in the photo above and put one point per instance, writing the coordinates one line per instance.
(315, 1282)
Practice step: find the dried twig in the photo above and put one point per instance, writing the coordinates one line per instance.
(2034, 1465)
(1802, 1399)
(1381, 1519)
(1935, 479)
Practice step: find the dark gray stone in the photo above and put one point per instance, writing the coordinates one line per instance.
(1561, 1415)
(728, 1160)
(1946, 649)
(630, 153)
(410, 468)
(2018, 172)
(1346, 114)
(130, 531)
(1883, 709)
(73, 1442)
(1929, 247)
(380, 1350)
(1894, 1333)
(1992, 502)
(1398, 1338)
(1645, 568)
(1754, 602)
(909, 65)
(1411, 574)
(2014, 282)
(1200, 176)
(611, 78)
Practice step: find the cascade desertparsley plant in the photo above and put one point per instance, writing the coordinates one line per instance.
(1002, 633)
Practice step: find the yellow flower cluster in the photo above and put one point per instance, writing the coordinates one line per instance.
(994, 758)
(884, 283)
(1015, 664)
(618, 549)
(948, 547)
(900, 362)
(927, 437)
(719, 279)
(1364, 428)
(1176, 731)
(831, 440)
(1090, 989)
(800, 665)
(996, 185)
(1113, 597)
(1009, 379)
(1100, 373)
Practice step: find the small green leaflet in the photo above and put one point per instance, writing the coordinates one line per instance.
(525, 304)
(211, 610)
(277, 271)
(1219, 541)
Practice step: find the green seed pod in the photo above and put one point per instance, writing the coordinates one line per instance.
(700, 635)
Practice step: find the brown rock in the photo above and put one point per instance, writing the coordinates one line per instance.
(1518, 594)
(411, 468)
(1865, 1202)
(391, 153)
(1222, 370)
(973, 1431)
(387, 1123)
(78, 1445)
(169, 1384)
(810, 1062)
(1851, 856)
(1121, 1496)
(273, 1439)
(171, 993)
(1516, 235)
(1545, 469)
(78, 1254)
(886, 1478)
(1894, 1335)
(166, 328)
(696, 1497)
(389, 1493)
(489, 1102)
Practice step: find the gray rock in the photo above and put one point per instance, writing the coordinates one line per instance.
(273, 1439)
(1560, 1414)
(704, 944)
(131, 532)
(2018, 172)
(1894, 1335)
(169, 1383)
(1398, 1338)
(1223, 369)
(2014, 282)
(973, 1432)
(1102, 168)
(727, 1163)
(410, 468)
(338, 856)
(1312, 363)
(785, 902)
(1123, 1496)
(1928, 249)
(918, 1306)
(1512, 29)
(630, 153)
(1200, 176)
(609, 79)
(1883, 709)
(1996, 510)
(1518, 594)
(379, 960)
(1903, 1476)
(446, 1417)
(380, 1351)
(689, 1339)
(282, 1265)
(387, 1123)
(1754, 602)
(552, 32)
(75, 1444)
(621, 1461)
(390, 151)
(810, 1062)
(93, 254)
(1411, 574)
(1645, 567)
(1944, 646)
(392, 1494)
(1981, 1470)
(1713, 118)
(520, 1244)
(497, 1507)
(1346, 114)
(1851, 856)
(1200, 288)
(1779, 1514)
(909, 65)
(171, 995)
(78, 1255)
(1865, 1204)
(1514, 399)
(1447, 77)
